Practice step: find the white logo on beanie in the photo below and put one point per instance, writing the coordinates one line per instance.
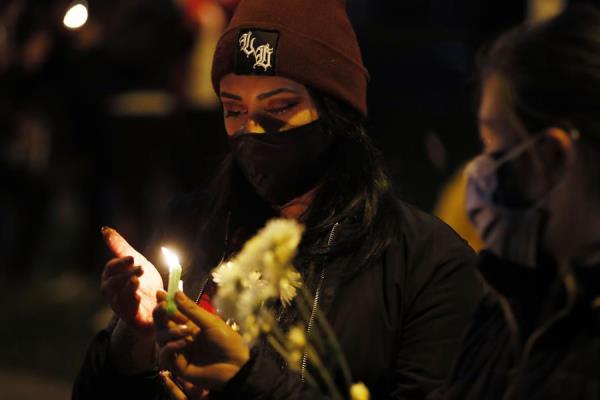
(247, 43)
(262, 54)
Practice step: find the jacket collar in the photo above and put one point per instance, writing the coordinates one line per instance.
(522, 283)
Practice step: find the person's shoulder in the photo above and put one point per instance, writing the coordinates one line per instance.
(426, 249)
(419, 228)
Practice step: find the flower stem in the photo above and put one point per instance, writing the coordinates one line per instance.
(303, 307)
(327, 378)
(339, 353)
(332, 339)
(279, 348)
(277, 332)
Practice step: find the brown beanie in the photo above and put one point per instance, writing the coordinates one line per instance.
(309, 41)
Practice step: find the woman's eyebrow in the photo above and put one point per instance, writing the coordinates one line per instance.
(231, 96)
(272, 93)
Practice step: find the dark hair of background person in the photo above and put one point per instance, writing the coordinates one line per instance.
(355, 190)
(550, 76)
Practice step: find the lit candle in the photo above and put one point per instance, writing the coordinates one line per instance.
(174, 276)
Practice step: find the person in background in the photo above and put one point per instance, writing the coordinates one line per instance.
(397, 285)
(533, 196)
(450, 208)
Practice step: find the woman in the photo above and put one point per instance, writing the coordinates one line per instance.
(397, 285)
(534, 197)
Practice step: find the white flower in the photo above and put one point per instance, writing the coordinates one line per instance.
(261, 271)
(240, 292)
(359, 391)
(229, 277)
(226, 302)
(288, 285)
(251, 299)
(250, 329)
(254, 278)
(284, 236)
(233, 325)
(265, 326)
(253, 324)
(225, 272)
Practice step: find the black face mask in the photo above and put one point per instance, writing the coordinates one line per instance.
(283, 165)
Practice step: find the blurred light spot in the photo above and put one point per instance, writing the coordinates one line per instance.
(143, 103)
(76, 16)
(542, 10)
(436, 150)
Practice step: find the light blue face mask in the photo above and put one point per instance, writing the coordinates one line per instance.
(510, 232)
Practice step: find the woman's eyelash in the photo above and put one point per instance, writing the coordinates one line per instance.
(278, 110)
(232, 113)
(285, 108)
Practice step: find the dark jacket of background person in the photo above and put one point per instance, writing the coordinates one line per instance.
(400, 322)
(539, 339)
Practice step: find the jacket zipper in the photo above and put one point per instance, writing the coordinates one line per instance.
(315, 306)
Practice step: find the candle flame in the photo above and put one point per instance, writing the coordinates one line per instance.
(172, 259)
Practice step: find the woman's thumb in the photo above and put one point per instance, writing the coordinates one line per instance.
(116, 243)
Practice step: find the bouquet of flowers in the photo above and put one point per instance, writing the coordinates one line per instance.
(261, 275)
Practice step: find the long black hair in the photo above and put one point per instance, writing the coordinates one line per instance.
(550, 77)
(354, 191)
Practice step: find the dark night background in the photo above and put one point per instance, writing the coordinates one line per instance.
(98, 126)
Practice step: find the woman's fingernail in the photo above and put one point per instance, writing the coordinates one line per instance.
(163, 377)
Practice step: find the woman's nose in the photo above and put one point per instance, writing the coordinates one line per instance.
(253, 126)
(260, 123)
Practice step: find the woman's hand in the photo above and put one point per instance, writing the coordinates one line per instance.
(129, 283)
(196, 345)
(181, 390)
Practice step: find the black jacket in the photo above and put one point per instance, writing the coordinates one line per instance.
(400, 322)
(535, 336)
